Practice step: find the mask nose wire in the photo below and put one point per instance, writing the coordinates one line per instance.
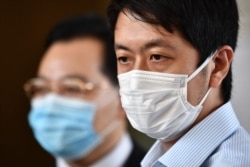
(199, 69)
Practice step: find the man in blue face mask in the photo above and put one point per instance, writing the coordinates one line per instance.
(75, 107)
(174, 70)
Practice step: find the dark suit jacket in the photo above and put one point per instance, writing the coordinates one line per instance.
(134, 158)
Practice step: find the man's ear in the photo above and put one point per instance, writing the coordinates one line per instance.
(221, 65)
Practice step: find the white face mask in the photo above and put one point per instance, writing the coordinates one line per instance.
(156, 103)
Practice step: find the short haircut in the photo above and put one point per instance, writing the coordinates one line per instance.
(205, 24)
(88, 25)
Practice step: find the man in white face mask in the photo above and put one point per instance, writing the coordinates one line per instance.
(76, 114)
(174, 69)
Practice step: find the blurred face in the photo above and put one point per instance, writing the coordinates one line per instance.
(141, 46)
(72, 68)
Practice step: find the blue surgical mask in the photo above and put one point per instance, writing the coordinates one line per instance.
(64, 126)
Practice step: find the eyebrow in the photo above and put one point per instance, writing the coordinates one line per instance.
(158, 43)
(122, 47)
(151, 44)
(41, 78)
(75, 76)
(71, 76)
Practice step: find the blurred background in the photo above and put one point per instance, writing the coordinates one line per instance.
(23, 28)
(241, 67)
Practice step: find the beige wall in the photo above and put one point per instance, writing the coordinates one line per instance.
(241, 67)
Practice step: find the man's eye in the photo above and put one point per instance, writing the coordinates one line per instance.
(72, 89)
(156, 57)
(123, 60)
(37, 90)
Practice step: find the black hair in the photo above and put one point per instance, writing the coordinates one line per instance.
(87, 25)
(205, 24)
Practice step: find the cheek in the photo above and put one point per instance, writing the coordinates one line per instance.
(197, 88)
(192, 92)
(119, 69)
(98, 121)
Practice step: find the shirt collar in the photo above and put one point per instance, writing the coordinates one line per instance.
(199, 142)
(123, 149)
(156, 151)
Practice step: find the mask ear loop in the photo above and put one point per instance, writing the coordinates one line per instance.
(199, 69)
(112, 125)
(205, 97)
(109, 129)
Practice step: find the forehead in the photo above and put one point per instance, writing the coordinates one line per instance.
(80, 57)
(130, 27)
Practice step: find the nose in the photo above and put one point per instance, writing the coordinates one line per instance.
(140, 64)
(55, 88)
